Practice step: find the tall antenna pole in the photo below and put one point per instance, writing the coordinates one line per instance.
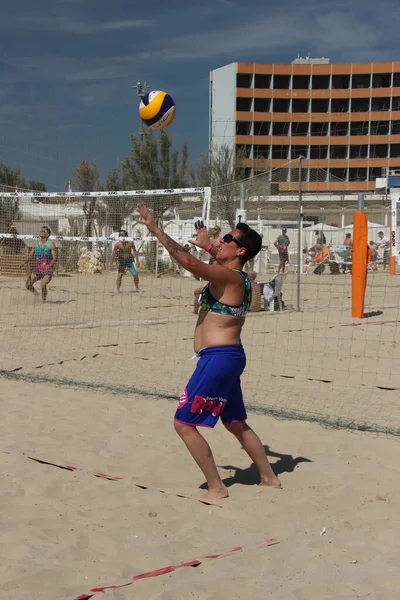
(141, 91)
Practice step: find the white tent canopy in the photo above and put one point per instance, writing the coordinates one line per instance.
(321, 227)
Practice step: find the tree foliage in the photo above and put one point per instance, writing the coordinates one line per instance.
(226, 170)
(86, 179)
(117, 208)
(153, 164)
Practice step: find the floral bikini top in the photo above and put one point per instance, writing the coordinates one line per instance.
(208, 303)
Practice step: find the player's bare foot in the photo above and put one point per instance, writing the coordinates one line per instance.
(218, 493)
(271, 482)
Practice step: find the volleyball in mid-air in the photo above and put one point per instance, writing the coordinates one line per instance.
(157, 110)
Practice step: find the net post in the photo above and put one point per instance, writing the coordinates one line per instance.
(299, 234)
(359, 260)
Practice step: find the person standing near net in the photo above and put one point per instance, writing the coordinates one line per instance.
(282, 242)
(44, 254)
(214, 389)
(384, 243)
(127, 256)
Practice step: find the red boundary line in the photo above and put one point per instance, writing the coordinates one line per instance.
(116, 478)
(171, 568)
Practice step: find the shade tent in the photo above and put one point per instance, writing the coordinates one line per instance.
(371, 225)
(333, 234)
(321, 227)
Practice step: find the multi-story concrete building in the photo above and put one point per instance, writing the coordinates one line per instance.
(344, 119)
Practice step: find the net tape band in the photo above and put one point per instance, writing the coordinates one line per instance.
(71, 238)
(108, 194)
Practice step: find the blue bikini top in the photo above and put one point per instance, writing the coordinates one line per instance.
(208, 303)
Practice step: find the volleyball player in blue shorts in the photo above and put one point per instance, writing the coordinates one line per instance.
(214, 389)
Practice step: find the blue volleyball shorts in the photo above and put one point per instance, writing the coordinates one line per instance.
(214, 389)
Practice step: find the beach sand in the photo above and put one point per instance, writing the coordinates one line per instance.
(65, 532)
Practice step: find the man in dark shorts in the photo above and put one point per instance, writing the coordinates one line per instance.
(214, 389)
(44, 255)
(127, 256)
(282, 242)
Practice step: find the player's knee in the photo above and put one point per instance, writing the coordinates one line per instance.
(182, 429)
(237, 428)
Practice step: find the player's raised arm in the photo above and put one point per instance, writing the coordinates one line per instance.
(213, 273)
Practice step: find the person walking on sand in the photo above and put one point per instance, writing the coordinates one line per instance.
(44, 254)
(214, 389)
(127, 256)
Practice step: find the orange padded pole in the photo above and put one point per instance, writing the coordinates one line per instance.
(360, 263)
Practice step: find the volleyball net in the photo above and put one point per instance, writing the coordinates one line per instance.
(307, 357)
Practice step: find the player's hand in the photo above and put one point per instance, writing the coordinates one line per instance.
(203, 239)
(146, 217)
(112, 268)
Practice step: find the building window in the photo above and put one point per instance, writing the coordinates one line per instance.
(280, 152)
(244, 80)
(396, 79)
(261, 127)
(359, 174)
(381, 80)
(374, 173)
(379, 104)
(361, 81)
(300, 105)
(320, 82)
(261, 151)
(280, 128)
(338, 152)
(281, 82)
(395, 103)
(320, 105)
(319, 128)
(340, 82)
(318, 174)
(243, 128)
(262, 104)
(339, 128)
(281, 105)
(243, 150)
(300, 128)
(359, 128)
(340, 105)
(294, 175)
(301, 82)
(299, 151)
(395, 127)
(280, 175)
(338, 174)
(395, 151)
(378, 151)
(318, 152)
(243, 104)
(360, 105)
(262, 82)
(379, 128)
(359, 151)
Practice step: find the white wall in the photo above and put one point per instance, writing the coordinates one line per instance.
(223, 106)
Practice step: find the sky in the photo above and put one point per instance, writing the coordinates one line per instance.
(68, 67)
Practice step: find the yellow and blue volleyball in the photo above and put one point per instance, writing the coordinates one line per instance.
(157, 110)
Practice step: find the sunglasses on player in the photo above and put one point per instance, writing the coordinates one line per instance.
(228, 237)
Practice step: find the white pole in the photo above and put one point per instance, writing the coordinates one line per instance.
(207, 205)
(393, 233)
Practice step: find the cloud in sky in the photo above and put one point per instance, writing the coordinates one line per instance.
(75, 27)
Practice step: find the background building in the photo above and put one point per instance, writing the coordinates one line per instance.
(343, 118)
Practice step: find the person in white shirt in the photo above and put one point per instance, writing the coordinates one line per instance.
(385, 244)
